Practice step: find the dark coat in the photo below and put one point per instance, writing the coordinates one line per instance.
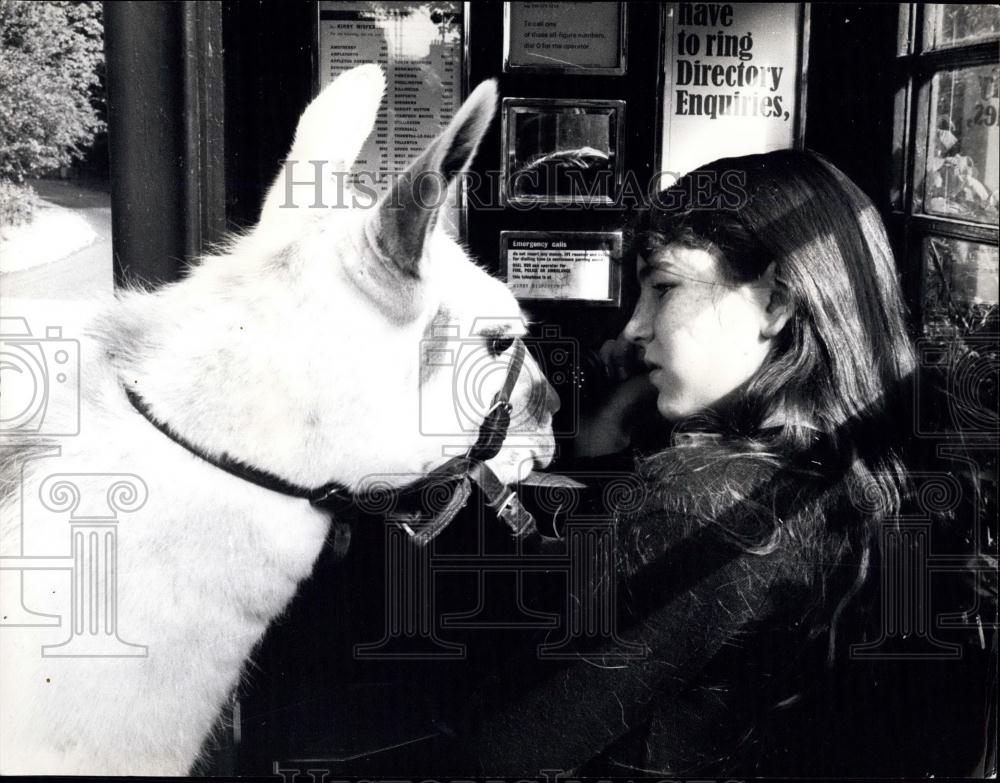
(733, 626)
(748, 667)
(711, 616)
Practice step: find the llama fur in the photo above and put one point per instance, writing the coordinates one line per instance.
(300, 349)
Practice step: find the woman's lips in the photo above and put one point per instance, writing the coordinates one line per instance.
(655, 372)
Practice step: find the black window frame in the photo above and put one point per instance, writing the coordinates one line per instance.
(916, 65)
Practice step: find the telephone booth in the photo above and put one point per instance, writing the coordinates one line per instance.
(601, 105)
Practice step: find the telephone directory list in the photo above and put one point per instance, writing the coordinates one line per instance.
(418, 53)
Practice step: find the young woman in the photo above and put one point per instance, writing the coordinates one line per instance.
(771, 327)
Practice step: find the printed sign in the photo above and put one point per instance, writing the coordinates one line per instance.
(579, 266)
(576, 38)
(731, 82)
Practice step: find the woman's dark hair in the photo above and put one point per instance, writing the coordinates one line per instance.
(843, 362)
(758, 473)
(845, 356)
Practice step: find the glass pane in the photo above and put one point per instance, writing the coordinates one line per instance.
(963, 152)
(960, 284)
(962, 23)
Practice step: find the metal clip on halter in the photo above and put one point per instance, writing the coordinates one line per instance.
(472, 468)
(504, 501)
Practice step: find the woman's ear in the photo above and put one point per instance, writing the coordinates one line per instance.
(779, 306)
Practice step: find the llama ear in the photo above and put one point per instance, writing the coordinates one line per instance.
(332, 129)
(399, 226)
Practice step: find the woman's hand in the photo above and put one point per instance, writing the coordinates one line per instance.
(607, 429)
(622, 358)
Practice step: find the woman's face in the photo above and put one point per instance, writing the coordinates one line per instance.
(702, 335)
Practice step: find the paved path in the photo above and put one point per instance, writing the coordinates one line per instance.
(86, 274)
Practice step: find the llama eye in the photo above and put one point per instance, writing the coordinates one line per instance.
(498, 345)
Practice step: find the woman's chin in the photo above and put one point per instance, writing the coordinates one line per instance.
(671, 408)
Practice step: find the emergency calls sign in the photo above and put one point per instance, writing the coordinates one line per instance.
(563, 265)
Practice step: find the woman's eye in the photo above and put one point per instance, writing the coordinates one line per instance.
(497, 345)
(663, 288)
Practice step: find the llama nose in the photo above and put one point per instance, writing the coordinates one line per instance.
(552, 401)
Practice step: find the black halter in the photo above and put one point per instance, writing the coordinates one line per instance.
(334, 496)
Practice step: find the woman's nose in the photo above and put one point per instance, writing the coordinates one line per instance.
(637, 330)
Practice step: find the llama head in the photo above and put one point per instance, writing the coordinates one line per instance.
(382, 342)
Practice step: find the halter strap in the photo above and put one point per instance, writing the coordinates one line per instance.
(461, 470)
(233, 467)
(493, 431)
(513, 371)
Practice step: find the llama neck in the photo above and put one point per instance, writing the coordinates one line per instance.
(205, 366)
